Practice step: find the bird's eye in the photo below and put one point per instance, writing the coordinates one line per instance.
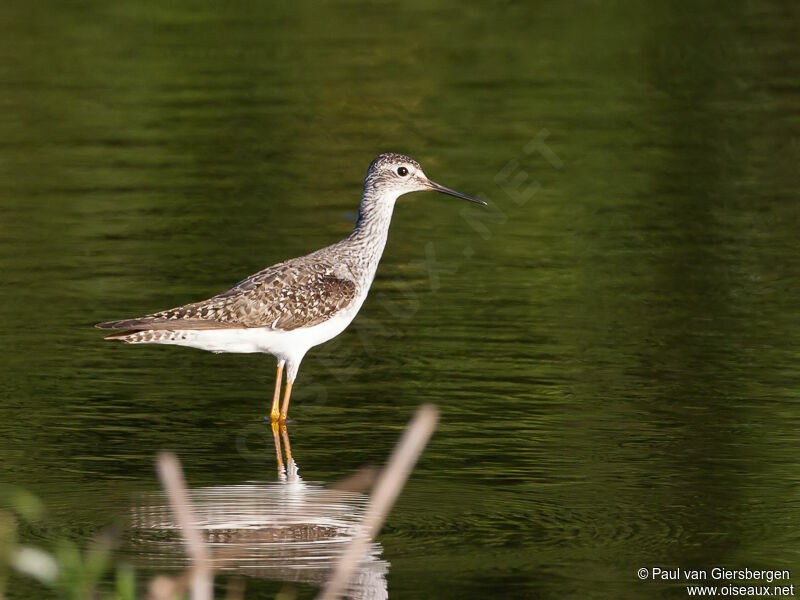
(402, 171)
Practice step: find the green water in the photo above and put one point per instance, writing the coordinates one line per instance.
(614, 344)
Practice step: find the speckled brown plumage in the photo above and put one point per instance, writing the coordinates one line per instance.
(301, 292)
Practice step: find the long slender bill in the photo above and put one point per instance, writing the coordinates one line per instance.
(446, 190)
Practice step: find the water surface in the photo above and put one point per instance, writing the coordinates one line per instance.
(613, 344)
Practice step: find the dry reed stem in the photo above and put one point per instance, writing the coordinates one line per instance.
(387, 488)
(171, 475)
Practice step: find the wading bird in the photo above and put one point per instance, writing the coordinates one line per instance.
(292, 306)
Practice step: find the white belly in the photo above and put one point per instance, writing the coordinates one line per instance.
(285, 345)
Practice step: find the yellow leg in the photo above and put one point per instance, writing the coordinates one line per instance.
(286, 446)
(286, 395)
(274, 415)
(277, 440)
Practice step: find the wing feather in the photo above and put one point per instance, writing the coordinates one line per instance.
(286, 296)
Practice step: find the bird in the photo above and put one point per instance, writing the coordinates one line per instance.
(290, 307)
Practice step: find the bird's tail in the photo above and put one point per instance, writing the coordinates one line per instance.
(134, 324)
(147, 336)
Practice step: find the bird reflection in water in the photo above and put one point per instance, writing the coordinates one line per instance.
(288, 471)
(286, 530)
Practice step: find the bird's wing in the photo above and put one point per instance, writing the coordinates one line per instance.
(285, 296)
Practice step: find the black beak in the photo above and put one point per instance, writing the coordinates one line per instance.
(446, 190)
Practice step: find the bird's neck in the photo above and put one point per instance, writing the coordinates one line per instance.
(368, 237)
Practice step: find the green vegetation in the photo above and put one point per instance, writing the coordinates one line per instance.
(68, 571)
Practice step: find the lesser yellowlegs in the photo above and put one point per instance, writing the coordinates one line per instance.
(288, 308)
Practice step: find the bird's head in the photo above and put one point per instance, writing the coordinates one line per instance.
(391, 175)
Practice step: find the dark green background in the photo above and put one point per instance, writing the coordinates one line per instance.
(614, 345)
